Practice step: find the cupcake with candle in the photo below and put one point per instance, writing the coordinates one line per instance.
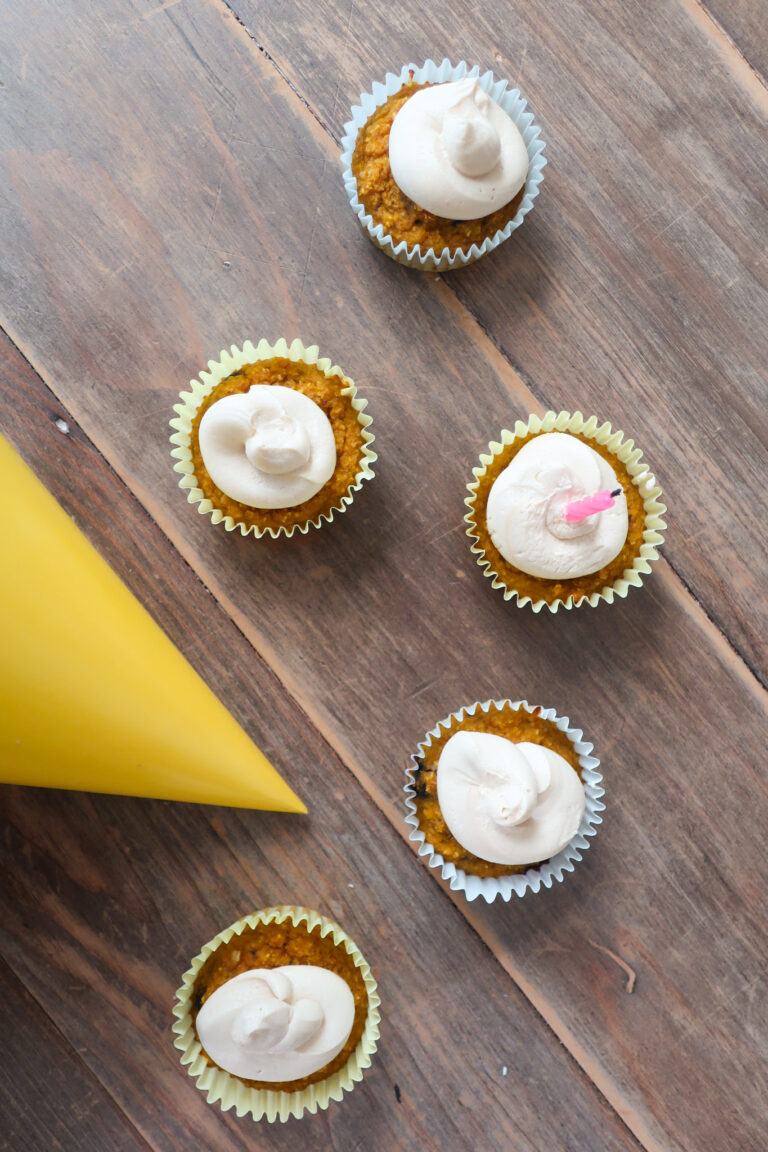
(563, 511)
(272, 439)
(277, 1015)
(441, 164)
(501, 797)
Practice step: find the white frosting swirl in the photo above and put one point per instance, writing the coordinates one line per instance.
(269, 447)
(455, 152)
(526, 504)
(508, 803)
(277, 1024)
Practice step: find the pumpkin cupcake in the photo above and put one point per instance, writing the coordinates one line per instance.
(277, 1015)
(501, 797)
(441, 164)
(272, 439)
(563, 511)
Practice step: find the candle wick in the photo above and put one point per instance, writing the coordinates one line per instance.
(616, 492)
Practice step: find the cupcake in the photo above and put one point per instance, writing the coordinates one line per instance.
(277, 1015)
(564, 512)
(272, 439)
(501, 797)
(441, 164)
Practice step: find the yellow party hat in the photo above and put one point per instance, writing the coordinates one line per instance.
(93, 695)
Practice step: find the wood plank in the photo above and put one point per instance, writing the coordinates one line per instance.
(743, 23)
(48, 1099)
(637, 289)
(103, 900)
(416, 631)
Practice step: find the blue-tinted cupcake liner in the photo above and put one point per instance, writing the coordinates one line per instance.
(542, 875)
(428, 260)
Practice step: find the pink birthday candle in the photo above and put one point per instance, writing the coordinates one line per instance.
(580, 509)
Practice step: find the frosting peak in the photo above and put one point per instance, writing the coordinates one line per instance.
(277, 1024)
(455, 152)
(269, 1022)
(508, 803)
(527, 502)
(278, 443)
(269, 447)
(469, 137)
(512, 800)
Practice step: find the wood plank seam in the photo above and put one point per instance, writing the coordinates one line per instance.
(570, 1041)
(752, 81)
(749, 676)
(181, 544)
(755, 673)
(596, 1074)
(719, 635)
(76, 1055)
(760, 681)
(329, 742)
(753, 670)
(393, 817)
(276, 66)
(740, 68)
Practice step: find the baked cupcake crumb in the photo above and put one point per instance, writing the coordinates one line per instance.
(537, 588)
(510, 723)
(327, 393)
(272, 946)
(388, 205)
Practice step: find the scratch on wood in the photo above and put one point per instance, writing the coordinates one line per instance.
(691, 208)
(421, 688)
(631, 974)
(550, 948)
(221, 182)
(160, 8)
(352, 11)
(520, 66)
(311, 241)
(213, 221)
(434, 539)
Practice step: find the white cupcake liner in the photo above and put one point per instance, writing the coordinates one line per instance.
(262, 1103)
(516, 884)
(430, 73)
(642, 478)
(201, 387)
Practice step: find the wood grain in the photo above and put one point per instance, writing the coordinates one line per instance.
(745, 24)
(104, 901)
(48, 1099)
(216, 212)
(637, 289)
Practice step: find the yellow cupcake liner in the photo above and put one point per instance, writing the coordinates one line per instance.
(543, 875)
(427, 259)
(260, 1103)
(642, 478)
(201, 387)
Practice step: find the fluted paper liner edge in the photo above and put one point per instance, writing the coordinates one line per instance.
(260, 1103)
(202, 386)
(516, 884)
(431, 73)
(642, 477)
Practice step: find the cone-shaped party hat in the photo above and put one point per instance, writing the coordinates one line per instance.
(93, 695)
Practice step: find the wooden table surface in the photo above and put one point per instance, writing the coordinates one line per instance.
(171, 184)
